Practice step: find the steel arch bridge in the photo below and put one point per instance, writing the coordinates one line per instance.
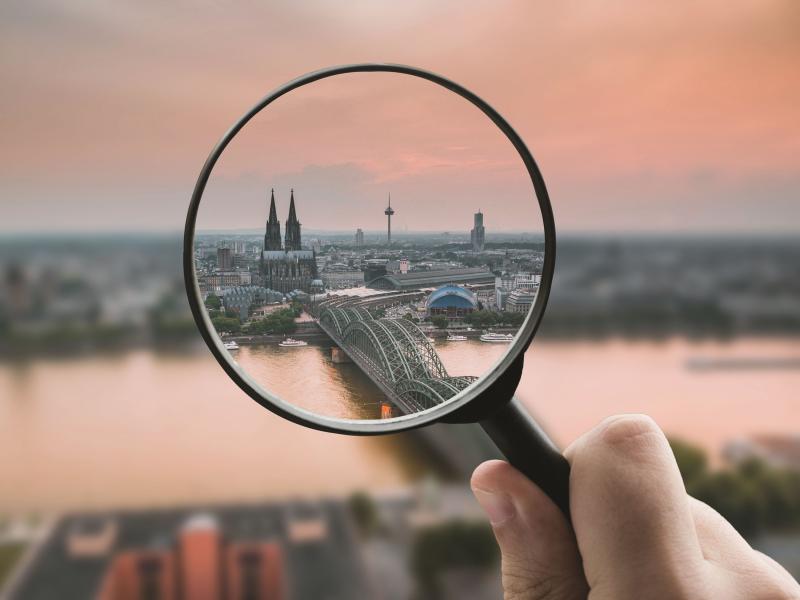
(395, 354)
(427, 393)
(339, 318)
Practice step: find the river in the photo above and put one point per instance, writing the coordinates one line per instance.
(306, 376)
(147, 429)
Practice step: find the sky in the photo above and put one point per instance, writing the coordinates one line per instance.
(345, 144)
(669, 117)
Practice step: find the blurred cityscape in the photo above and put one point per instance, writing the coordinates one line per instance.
(75, 301)
(73, 294)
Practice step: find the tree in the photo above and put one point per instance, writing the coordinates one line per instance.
(735, 498)
(482, 319)
(279, 321)
(512, 319)
(752, 495)
(410, 317)
(452, 545)
(364, 512)
(226, 325)
(692, 462)
(296, 308)
(213, 302)
(440, 322)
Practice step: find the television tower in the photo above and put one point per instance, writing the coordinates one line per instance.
(389, 212)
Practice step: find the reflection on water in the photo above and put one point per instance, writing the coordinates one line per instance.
(150, 429)
(307, 377)
(147, 429)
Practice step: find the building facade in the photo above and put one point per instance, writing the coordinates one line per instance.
(520, 300)
(220, 280)
(288, 268)
(224, 259)
(451, 301)
(242, 299)
(201, 565)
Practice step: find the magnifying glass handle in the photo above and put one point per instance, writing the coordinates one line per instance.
(527, 448)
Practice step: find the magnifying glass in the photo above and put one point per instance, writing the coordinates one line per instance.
(369, 249)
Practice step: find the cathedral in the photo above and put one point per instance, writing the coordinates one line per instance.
(286, 268)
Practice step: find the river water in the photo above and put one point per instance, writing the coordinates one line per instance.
(146, 429)
(307, 377)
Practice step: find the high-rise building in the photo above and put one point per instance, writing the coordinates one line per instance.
(389, 212)
(478, 233)
(224, 259)
(359, 237)
(292, 241)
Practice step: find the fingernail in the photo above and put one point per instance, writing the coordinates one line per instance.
(498, 505)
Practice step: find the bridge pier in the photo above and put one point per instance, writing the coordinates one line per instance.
(339, 356)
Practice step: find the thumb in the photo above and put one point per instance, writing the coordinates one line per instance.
(539, 551)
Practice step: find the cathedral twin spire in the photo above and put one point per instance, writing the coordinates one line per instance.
(272, 238)
(292, 241)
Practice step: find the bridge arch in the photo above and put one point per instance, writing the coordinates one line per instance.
(397, 348)
(395, 352)
(339, 318)
(427, 393)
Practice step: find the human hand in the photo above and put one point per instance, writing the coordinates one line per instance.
(635, 532)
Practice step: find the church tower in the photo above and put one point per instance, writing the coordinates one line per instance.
(292, 240)
(272, 238)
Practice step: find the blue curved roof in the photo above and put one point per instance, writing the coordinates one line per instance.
(452, 295)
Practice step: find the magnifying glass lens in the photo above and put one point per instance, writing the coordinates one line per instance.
(368, 248)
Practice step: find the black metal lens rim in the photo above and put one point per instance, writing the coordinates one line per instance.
(369, 427)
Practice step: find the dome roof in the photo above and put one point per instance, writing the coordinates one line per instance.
(452, 295)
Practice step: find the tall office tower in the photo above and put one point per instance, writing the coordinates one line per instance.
(478, 233)
(359, 238)
(272, 237)
(292, 240)
(389, 212)
(224, 259)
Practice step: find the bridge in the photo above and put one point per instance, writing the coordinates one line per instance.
(394, 353)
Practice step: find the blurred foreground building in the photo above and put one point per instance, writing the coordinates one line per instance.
(299, 550)
(202, 565)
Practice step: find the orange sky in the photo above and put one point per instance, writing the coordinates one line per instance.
(680, 116)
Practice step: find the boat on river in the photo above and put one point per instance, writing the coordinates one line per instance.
(456, 338)
(497, 338)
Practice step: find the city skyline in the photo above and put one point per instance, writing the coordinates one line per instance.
(273, 225)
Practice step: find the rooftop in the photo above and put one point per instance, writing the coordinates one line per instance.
(418, 279)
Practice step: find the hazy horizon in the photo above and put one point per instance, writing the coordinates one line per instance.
(642, 118)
